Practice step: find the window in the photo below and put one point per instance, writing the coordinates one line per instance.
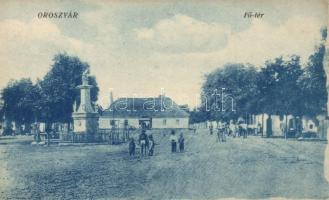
(311, 126)
(177, 121)
(164, 122)
(114, 123)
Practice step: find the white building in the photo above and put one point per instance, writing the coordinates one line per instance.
(156, 113)
(279, 123)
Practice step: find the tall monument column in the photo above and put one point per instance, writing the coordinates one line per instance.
(85, 118)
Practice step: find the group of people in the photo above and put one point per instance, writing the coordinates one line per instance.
(231, 129)
(174, 141)
(147, 144)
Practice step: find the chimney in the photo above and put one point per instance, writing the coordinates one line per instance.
(162, 94)
(110, 98)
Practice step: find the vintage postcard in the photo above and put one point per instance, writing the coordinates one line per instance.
(150, 99)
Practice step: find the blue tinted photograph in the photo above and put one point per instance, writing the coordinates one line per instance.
(177, 99)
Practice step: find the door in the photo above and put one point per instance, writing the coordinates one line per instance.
(145, 123)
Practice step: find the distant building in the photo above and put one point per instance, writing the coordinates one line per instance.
(156, 113)
(307, 124)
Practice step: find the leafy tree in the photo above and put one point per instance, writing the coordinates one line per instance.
(231, 91)
(19, 102)
(59, 88)
(267, 82)
(290, 92)
(279, 91)
(313, 82)
(197, 116)
(1, 110)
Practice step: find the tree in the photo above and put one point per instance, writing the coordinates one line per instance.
(19, 101)
(313, 82)
(279, 91)
(59, 88)
(1, 110)
(267, 82)
(197, 116)
(230, 92)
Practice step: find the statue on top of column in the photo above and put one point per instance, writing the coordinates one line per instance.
(85, 76)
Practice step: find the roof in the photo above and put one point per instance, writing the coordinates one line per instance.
(157, 107)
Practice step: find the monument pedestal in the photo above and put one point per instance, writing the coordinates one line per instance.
(85, 119)
(85, 127)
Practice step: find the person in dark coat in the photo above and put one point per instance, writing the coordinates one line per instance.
(151, 145)
(181, 142)
(173, 140)
(211, 128)
(132, 147)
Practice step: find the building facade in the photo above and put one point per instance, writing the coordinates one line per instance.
(152, 113)
(281, 123)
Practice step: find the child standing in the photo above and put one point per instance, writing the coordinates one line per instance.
(151, 145)
(211, 128)
(132, 147)
(173, 140)
(181, 142)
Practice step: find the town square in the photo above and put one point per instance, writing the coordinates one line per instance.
(164, 100)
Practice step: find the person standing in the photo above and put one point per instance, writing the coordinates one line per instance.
(37, 133)
(232, 129)
(224, 132)
(132, 147)
(173, 140)
(142, 142)
(221, 132)
(244, 128)
(219, 129)
(181, 142)
(151, 145)
(211, 128)
(259, 129)
(147, 145)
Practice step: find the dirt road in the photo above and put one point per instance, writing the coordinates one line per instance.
(242, 168)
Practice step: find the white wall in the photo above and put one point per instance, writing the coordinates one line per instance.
(309, 125)
(106, 122)
(80, 125)
(276, 124)
(170, 123)
(156, 122)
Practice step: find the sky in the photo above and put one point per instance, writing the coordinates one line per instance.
(143, 48)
